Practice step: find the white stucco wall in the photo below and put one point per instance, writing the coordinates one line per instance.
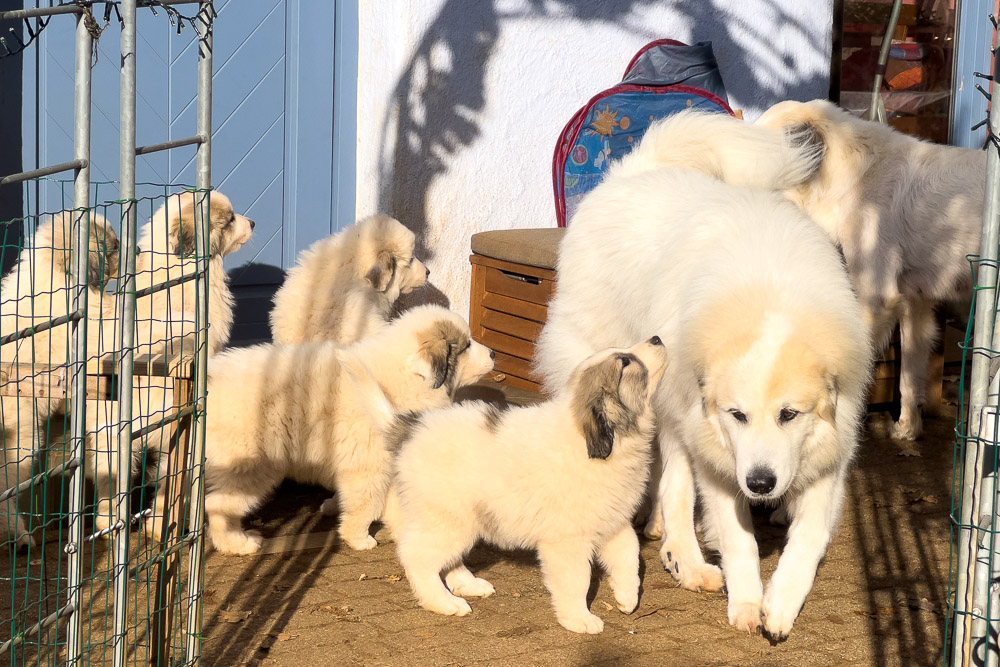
(460, 101)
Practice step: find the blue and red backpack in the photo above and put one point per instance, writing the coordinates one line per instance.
(664, 77)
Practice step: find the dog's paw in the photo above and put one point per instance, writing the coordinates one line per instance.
(654, 528)
(238, 542)
(360, 542)
(330, 506)
(451, 605)
(101, 524)
(694, 574)
(587, 624)
(24, 541)
(745, 616)
(907, 429)
(627, 603)
(778, 617)
(474, 588)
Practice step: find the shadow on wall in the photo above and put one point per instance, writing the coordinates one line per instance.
(442, 92)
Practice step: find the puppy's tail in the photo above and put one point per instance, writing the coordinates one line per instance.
(727, 149)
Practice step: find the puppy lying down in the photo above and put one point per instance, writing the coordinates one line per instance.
(563, 477)
(316, 412)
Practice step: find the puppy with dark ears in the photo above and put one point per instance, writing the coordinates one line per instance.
(343, 287)
(563, 477)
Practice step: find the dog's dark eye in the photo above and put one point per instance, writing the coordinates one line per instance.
(786, 415)
(739, 416)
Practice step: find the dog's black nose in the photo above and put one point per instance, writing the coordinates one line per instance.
(761, 480)
(493, 355)
(655, 340)
(428, 271)
(252, 225)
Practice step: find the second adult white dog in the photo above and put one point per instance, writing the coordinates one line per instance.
(770, 361)
(563, 477)
(315, 412)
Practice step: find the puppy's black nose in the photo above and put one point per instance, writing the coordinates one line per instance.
(428, 271)
(493, 355)
(655, 340)
(761, 480)
(252, 225)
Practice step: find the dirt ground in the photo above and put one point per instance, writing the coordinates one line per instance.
(879, 597)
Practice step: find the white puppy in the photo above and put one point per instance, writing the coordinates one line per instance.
(167, 322)
(770, 361)
(37, 290)
(343, 287)
(563, 477)
(315, 412)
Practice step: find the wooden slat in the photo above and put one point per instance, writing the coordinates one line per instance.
(511, 325)
(509, 285)
(499, 342)
(476, 296)
(511, 365)
(533, 271)
(525, 309)
(52, 381)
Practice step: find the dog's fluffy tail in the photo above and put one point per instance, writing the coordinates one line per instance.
(725, 148)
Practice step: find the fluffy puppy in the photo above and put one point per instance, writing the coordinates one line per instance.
(316, 412)
(563, 477)
(166, 321)
(343, 287)
(770, 363)
(905, 213)
(37, 290)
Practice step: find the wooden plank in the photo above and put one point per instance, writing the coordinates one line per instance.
(511, 325)
(511, 365)
(524, 309)
(517, 285)
(524, 269)
(476, 297)
(500, 342)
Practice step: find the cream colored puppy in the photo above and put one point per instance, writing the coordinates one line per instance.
(315, 413)
(563, 477)
(343, 287)
(37, 290)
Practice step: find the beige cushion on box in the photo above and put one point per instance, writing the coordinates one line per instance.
(534, 247)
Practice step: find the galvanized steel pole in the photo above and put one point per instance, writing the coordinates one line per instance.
(126, 324)
(985, 316)
(78, 349)
(206, 24)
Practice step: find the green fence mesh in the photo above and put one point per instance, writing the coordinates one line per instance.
(39, 608)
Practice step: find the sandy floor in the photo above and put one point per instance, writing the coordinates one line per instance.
(879, 597)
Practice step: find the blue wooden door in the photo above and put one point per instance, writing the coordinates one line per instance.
(278, 150)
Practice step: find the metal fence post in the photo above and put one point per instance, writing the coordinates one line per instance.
(78, 349)
(126, 322)
(206, 24)
(985, 316)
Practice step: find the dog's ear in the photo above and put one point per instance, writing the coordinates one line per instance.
(182, 231)
(598, 431)
(826, 409)
(382, 272)
(807, 136)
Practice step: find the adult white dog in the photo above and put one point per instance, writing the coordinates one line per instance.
(770, 362)
(904, 212)
(37, 290)
(563, 477)
(343, 287)
(316, 412)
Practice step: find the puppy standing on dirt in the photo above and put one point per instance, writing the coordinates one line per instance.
(563, 477)
(343, 287)
(39, 289)
(770, 362)
(316, 412)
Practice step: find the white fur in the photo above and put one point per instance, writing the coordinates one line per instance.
(525, 479)
(316, 413)
(38, 289)
(167, 322)
(343, 287)
(757, 313)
